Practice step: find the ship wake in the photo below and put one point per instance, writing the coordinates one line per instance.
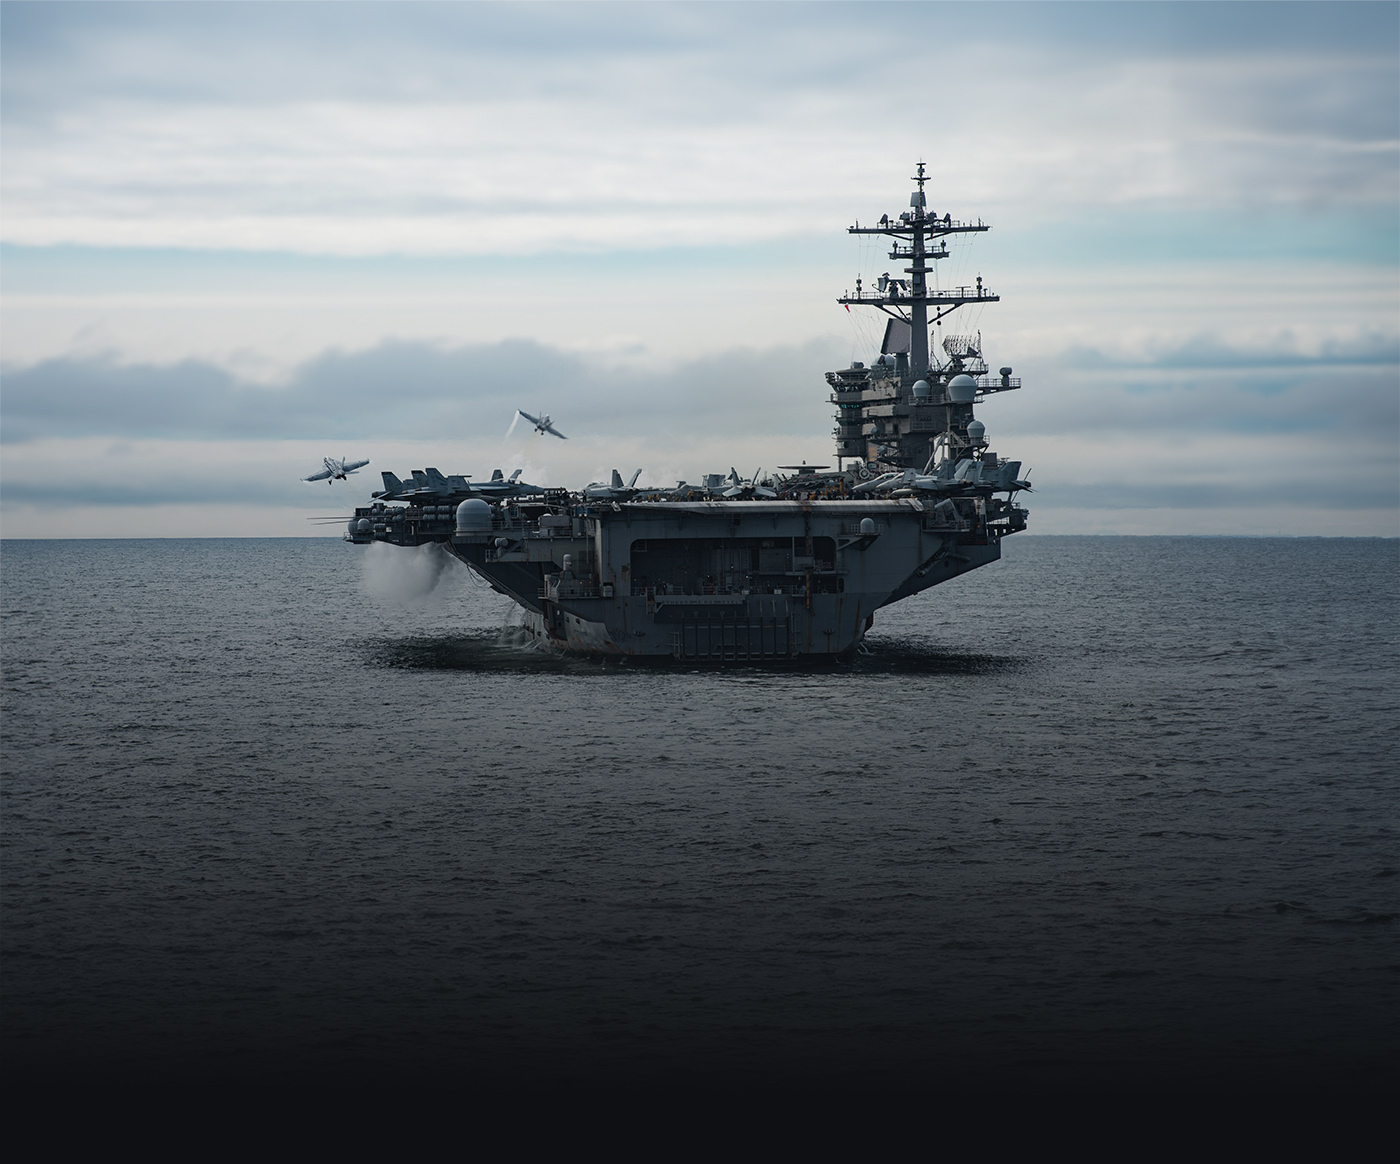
(512, 650)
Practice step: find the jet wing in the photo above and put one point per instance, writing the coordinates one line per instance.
(551, 429)
(321, 476)
(527, 416)
(351, 466)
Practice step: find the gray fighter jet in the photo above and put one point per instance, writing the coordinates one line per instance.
(336, 470)
(541, 423)
(753, 487)
(617, 491)
(510, 486)
(428, 487)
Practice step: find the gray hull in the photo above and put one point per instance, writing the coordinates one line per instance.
(720, 581)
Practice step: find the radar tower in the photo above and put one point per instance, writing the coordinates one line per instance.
(912, 406)
(909, 302)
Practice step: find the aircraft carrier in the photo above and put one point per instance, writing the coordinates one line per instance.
(792, 566)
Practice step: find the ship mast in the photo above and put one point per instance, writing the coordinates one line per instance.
(901, 411)
(909, 302)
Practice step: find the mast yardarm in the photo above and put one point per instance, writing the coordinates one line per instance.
(909, 300)
(913, 409)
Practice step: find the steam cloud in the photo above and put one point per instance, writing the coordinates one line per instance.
(403, 576)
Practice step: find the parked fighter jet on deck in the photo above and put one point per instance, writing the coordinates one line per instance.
(336, 470)
(541, 424)
(755, 486)
(510, 486)
(429, 487)
(617, 491)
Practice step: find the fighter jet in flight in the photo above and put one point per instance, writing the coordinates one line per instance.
(541, 423)
(336, 470)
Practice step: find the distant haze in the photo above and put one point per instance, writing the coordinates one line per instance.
(239, 238)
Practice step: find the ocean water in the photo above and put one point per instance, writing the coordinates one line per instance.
(1112, 809)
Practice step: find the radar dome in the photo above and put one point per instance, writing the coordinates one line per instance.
(977, 432)
(962, 389)
(473, 516)
(922, 389)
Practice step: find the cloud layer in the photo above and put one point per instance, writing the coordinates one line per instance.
(240, 237)
(478, 129)
(1202, 436)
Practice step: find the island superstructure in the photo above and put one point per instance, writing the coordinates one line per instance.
(790, 567)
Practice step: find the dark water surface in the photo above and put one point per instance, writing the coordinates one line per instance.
(1113, 808)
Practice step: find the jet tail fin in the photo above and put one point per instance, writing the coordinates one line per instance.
(391, 483)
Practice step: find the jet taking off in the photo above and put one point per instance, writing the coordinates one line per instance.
(336, 470)
(541, 424)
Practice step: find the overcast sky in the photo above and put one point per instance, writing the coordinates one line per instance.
(237, 238)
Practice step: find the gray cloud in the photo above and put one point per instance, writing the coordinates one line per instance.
(274, 52)
(1343, 407)
(1145, 132)
(489, 129)
(1346, 391)
(1349, 394)
(1102, 434)
(1307, 490)
(59, 490)
(1368, 349)
(416, 390)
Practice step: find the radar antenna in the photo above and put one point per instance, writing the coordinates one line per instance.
(909, 300)
(898, 413)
